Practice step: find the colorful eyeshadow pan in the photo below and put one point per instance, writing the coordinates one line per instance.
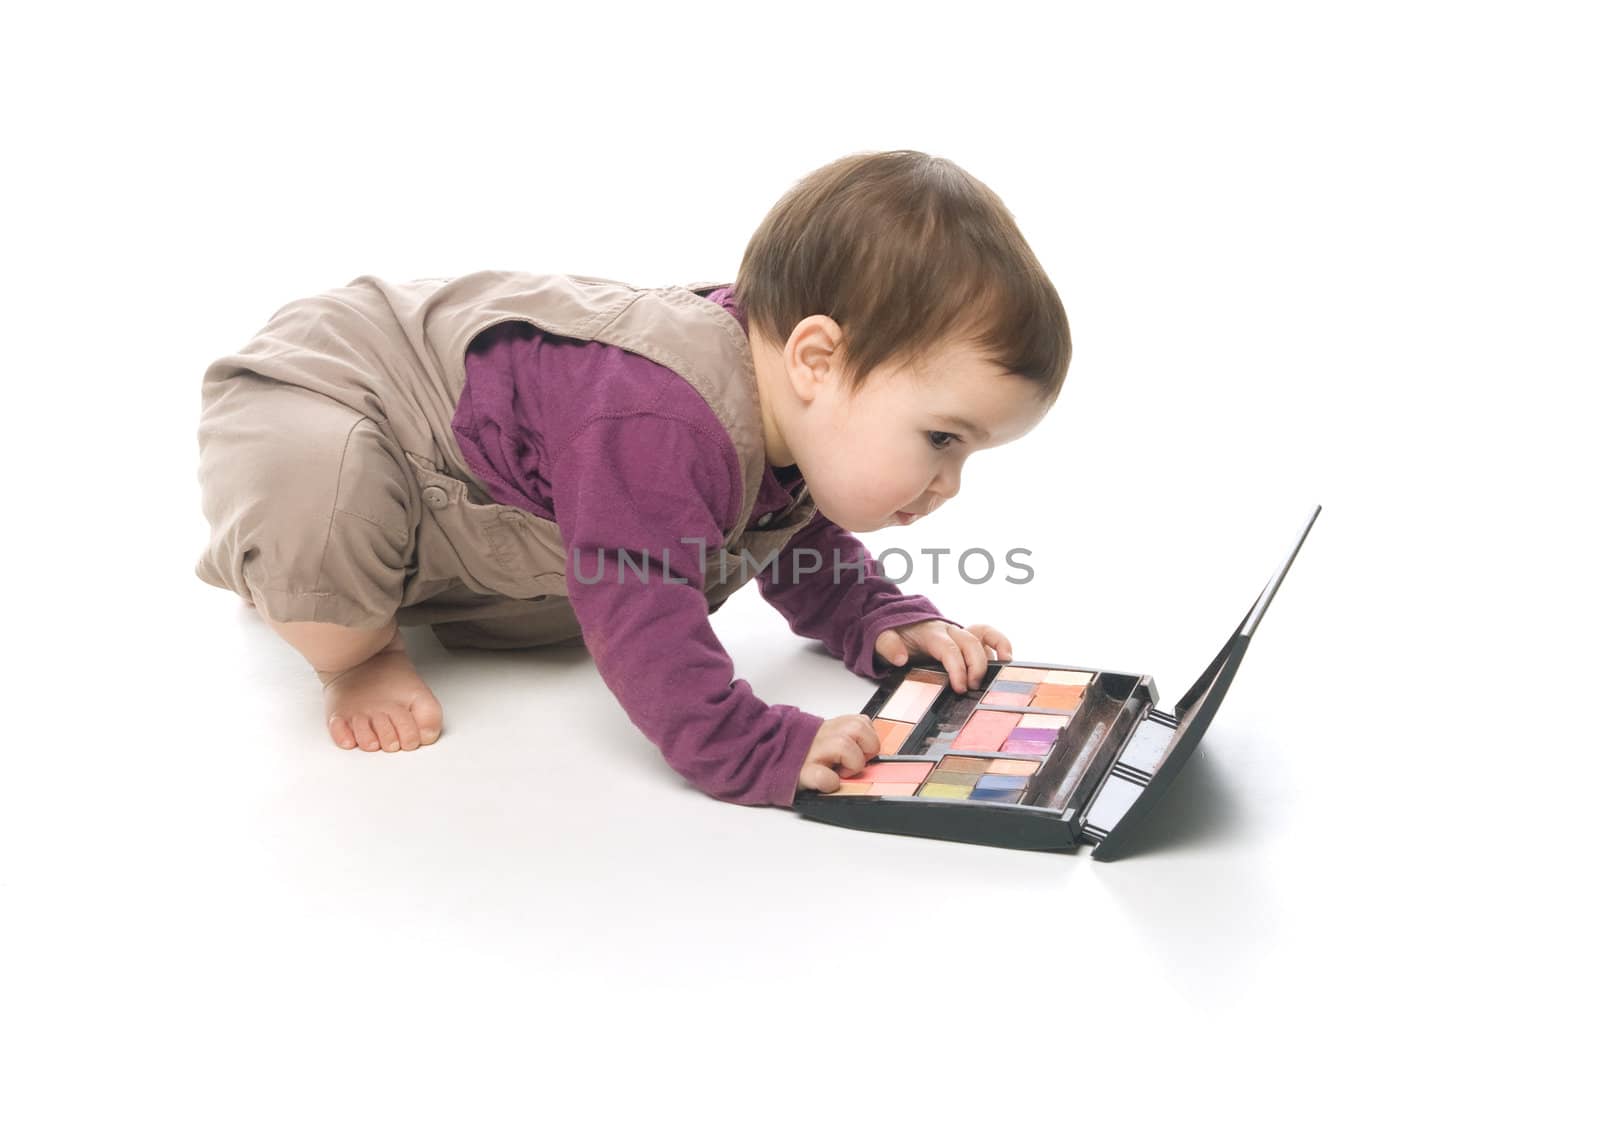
(891, 735)
(951, 779)
(1057, 697)
(1021, 674)
(1001, 783)
(941, 764)
(894, 771)
(999, 697)
(886, 789)
(986, 730)
(1033, 757)
(979, 795)
(910, 701)
(978, 777)
(965, 763)
(1078, 678)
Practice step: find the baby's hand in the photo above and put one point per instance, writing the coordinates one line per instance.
(848, 741)
(961, 649)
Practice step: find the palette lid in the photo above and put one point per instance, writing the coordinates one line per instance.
(1195, 710)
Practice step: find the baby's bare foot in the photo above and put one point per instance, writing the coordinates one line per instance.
(381, 703)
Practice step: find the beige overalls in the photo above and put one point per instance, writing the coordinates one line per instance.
(336, 492)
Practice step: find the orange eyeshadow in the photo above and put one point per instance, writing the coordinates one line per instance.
(849, 788)
(1012, 767)
(1057, 697)
(891, 735)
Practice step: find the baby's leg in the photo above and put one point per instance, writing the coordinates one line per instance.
(308, 506)
(372, 694)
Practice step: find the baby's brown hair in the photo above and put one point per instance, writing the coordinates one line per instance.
(905, 251)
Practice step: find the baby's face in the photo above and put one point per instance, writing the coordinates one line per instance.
(893, 452)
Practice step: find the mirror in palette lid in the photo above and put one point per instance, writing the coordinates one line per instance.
(1163, 744)
(1036, 756)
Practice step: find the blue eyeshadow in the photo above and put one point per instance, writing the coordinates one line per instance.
(995, 795)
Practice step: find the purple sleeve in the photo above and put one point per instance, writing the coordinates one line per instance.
(846, 613)
(641, 484)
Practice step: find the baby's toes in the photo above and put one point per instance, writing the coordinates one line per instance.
(387, 736)
(366, 735)
(406, 726)
(429, 718)
(341, 732)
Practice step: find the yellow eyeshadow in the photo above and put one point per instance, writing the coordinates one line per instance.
(944, 791)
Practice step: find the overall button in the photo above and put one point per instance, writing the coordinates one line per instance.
(765, 519)
(435, 497)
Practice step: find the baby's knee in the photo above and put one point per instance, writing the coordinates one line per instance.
(308, 510)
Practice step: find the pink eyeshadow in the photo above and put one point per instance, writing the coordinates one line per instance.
(985, 730)
(1028, 747)
(895, 788)
(910, 701)
(891, 772)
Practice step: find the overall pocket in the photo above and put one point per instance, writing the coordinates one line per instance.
(492, 548)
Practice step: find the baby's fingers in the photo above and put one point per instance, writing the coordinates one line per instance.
(851, 754)
(977, 658)
(991, 637)
(862, 736)
(819, 777)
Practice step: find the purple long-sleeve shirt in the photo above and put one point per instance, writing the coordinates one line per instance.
(623, 454)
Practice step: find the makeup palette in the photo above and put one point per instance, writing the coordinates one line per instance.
(1035, 755)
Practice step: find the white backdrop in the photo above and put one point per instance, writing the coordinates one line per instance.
(1341, 255)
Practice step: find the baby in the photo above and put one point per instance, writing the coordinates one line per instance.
(516, 459)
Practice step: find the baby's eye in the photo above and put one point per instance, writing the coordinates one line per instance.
(941, 440)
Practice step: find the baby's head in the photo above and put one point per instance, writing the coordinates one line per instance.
(899, 323)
